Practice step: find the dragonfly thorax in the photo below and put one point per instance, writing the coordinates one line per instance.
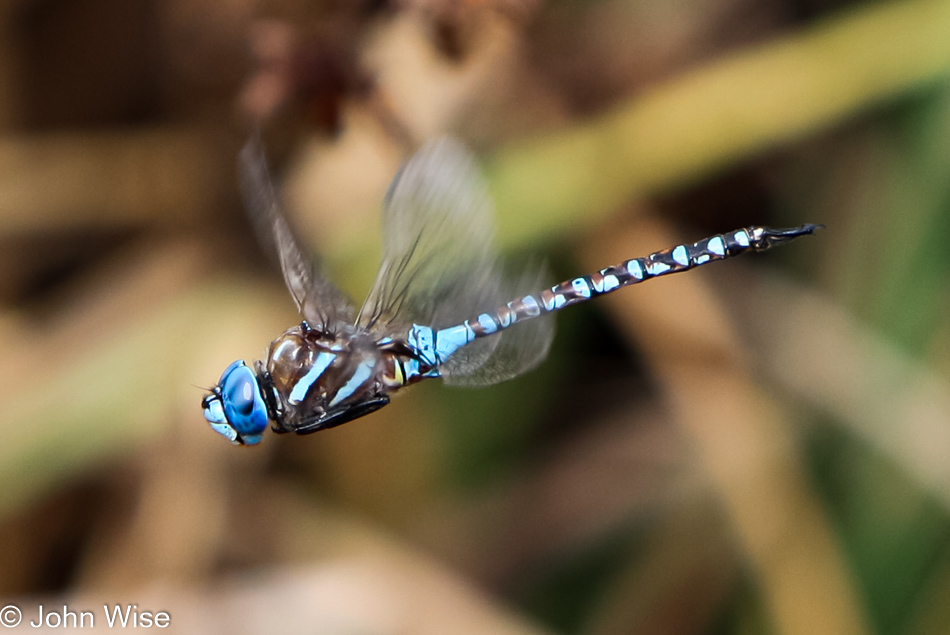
(314, 380)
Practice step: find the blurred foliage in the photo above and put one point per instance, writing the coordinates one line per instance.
(757, 447)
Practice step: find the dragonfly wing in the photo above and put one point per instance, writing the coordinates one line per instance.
(320, 302)
(438, 232)
(522, 347)
(440, 265)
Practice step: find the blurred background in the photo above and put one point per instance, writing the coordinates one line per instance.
(760, 446)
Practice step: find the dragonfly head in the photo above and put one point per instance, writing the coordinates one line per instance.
(236, 408)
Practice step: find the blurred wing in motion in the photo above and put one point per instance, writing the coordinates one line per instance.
(440, 266)
(321, 303)
(520, 348)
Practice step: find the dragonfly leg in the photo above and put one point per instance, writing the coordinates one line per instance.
(342, 415)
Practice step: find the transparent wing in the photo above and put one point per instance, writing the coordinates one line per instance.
(521, 347)
(439, 261)
(440, 266)
(321, 303)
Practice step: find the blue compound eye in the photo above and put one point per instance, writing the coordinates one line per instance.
(242, 399)
(236, 409)
(229, 370)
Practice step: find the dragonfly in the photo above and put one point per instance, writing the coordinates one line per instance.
(442, 305)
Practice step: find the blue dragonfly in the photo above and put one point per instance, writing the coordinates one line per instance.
(441, 305)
